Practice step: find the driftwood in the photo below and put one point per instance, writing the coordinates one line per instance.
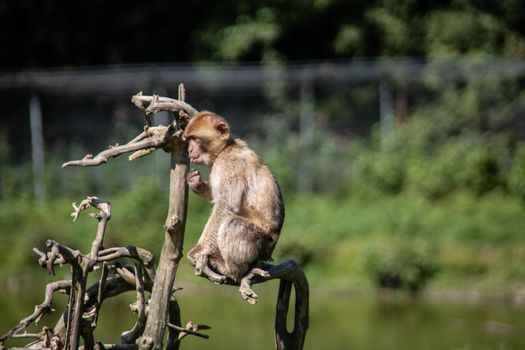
(161, 312)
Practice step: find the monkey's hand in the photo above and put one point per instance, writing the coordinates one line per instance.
(197, 185)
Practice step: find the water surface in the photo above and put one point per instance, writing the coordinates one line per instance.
(336, 321)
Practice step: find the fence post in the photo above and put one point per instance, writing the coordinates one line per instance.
(306, 131)
(37, 147)
(386, 111)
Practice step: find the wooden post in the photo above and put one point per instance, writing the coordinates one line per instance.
(171, 250)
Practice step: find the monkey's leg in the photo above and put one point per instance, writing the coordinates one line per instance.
(246, 284)
(241, 243)
(202, 268)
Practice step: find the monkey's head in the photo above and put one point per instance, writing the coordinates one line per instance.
(207, 135)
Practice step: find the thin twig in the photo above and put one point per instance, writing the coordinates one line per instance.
(130, 251)
(69, 255)
(162, 104)
(102, 157)
(132, 335)
(40, 310)
(91, 201)
(26, 335)
(191, 329)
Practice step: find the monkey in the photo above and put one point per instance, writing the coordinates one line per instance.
(248, 210)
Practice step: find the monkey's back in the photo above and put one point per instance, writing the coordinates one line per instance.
(250, 186)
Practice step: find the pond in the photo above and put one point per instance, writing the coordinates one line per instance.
(337, 321)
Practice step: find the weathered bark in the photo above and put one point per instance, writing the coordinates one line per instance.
(40, 310)
(132, 335)
(290, 275)
(154, 141)
(171, 252)
(80, 274)
(157, 103)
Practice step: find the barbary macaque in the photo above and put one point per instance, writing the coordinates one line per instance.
(248, 210)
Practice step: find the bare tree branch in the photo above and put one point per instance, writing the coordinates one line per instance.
(162, 104)
(129, 252)
(190, 329)
(174, 317)
(45, 258)
(102, 346)
(150, 142)
(92, 201)
(132, 335)
(171, 252)
(290, 275)
(40, 310)
(101, 285)
(58, 250)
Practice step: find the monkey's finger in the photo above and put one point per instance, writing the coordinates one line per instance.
(248, 294)
(194, 172)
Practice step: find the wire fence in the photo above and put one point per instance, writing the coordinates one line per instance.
(58, 114)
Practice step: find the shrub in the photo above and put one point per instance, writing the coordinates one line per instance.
(516, 175)
(401, 265)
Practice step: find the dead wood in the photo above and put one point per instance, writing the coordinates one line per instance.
(157, 103)
(155, 141)
(190, 329)
(290, 275)
(161, 312)
(40, 310)
(132, 335)
(171, 252)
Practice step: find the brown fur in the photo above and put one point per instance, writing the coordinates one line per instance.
(248, 210)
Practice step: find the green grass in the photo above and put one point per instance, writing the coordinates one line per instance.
(344, 243)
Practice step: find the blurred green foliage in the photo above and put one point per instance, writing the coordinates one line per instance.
(258, 30)
(402, 241)
(439, 199)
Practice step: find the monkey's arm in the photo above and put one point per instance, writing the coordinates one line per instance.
(199, 186)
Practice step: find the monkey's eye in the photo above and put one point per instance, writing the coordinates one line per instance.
(196, 140)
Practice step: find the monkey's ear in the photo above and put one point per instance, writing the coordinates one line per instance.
(223, 129)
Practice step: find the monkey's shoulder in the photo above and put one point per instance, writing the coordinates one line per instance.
(240, 154)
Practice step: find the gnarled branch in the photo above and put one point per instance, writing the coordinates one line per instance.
(130, 251)
(40, 310)
(154, 141)
(190, 329)
(290, 275)
(162, 104)
(132, 335)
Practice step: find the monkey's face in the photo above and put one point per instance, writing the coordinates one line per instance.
(197, 152)
(207, 135)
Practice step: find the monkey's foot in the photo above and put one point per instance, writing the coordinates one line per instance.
(246, 284)
(202, 269)
(247, 293)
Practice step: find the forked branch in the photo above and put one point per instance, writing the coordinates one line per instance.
(148, 141)
(132, 335)
(290, 276)
(40, 310)
(157, 104)
(190, 329)
(154, 141)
